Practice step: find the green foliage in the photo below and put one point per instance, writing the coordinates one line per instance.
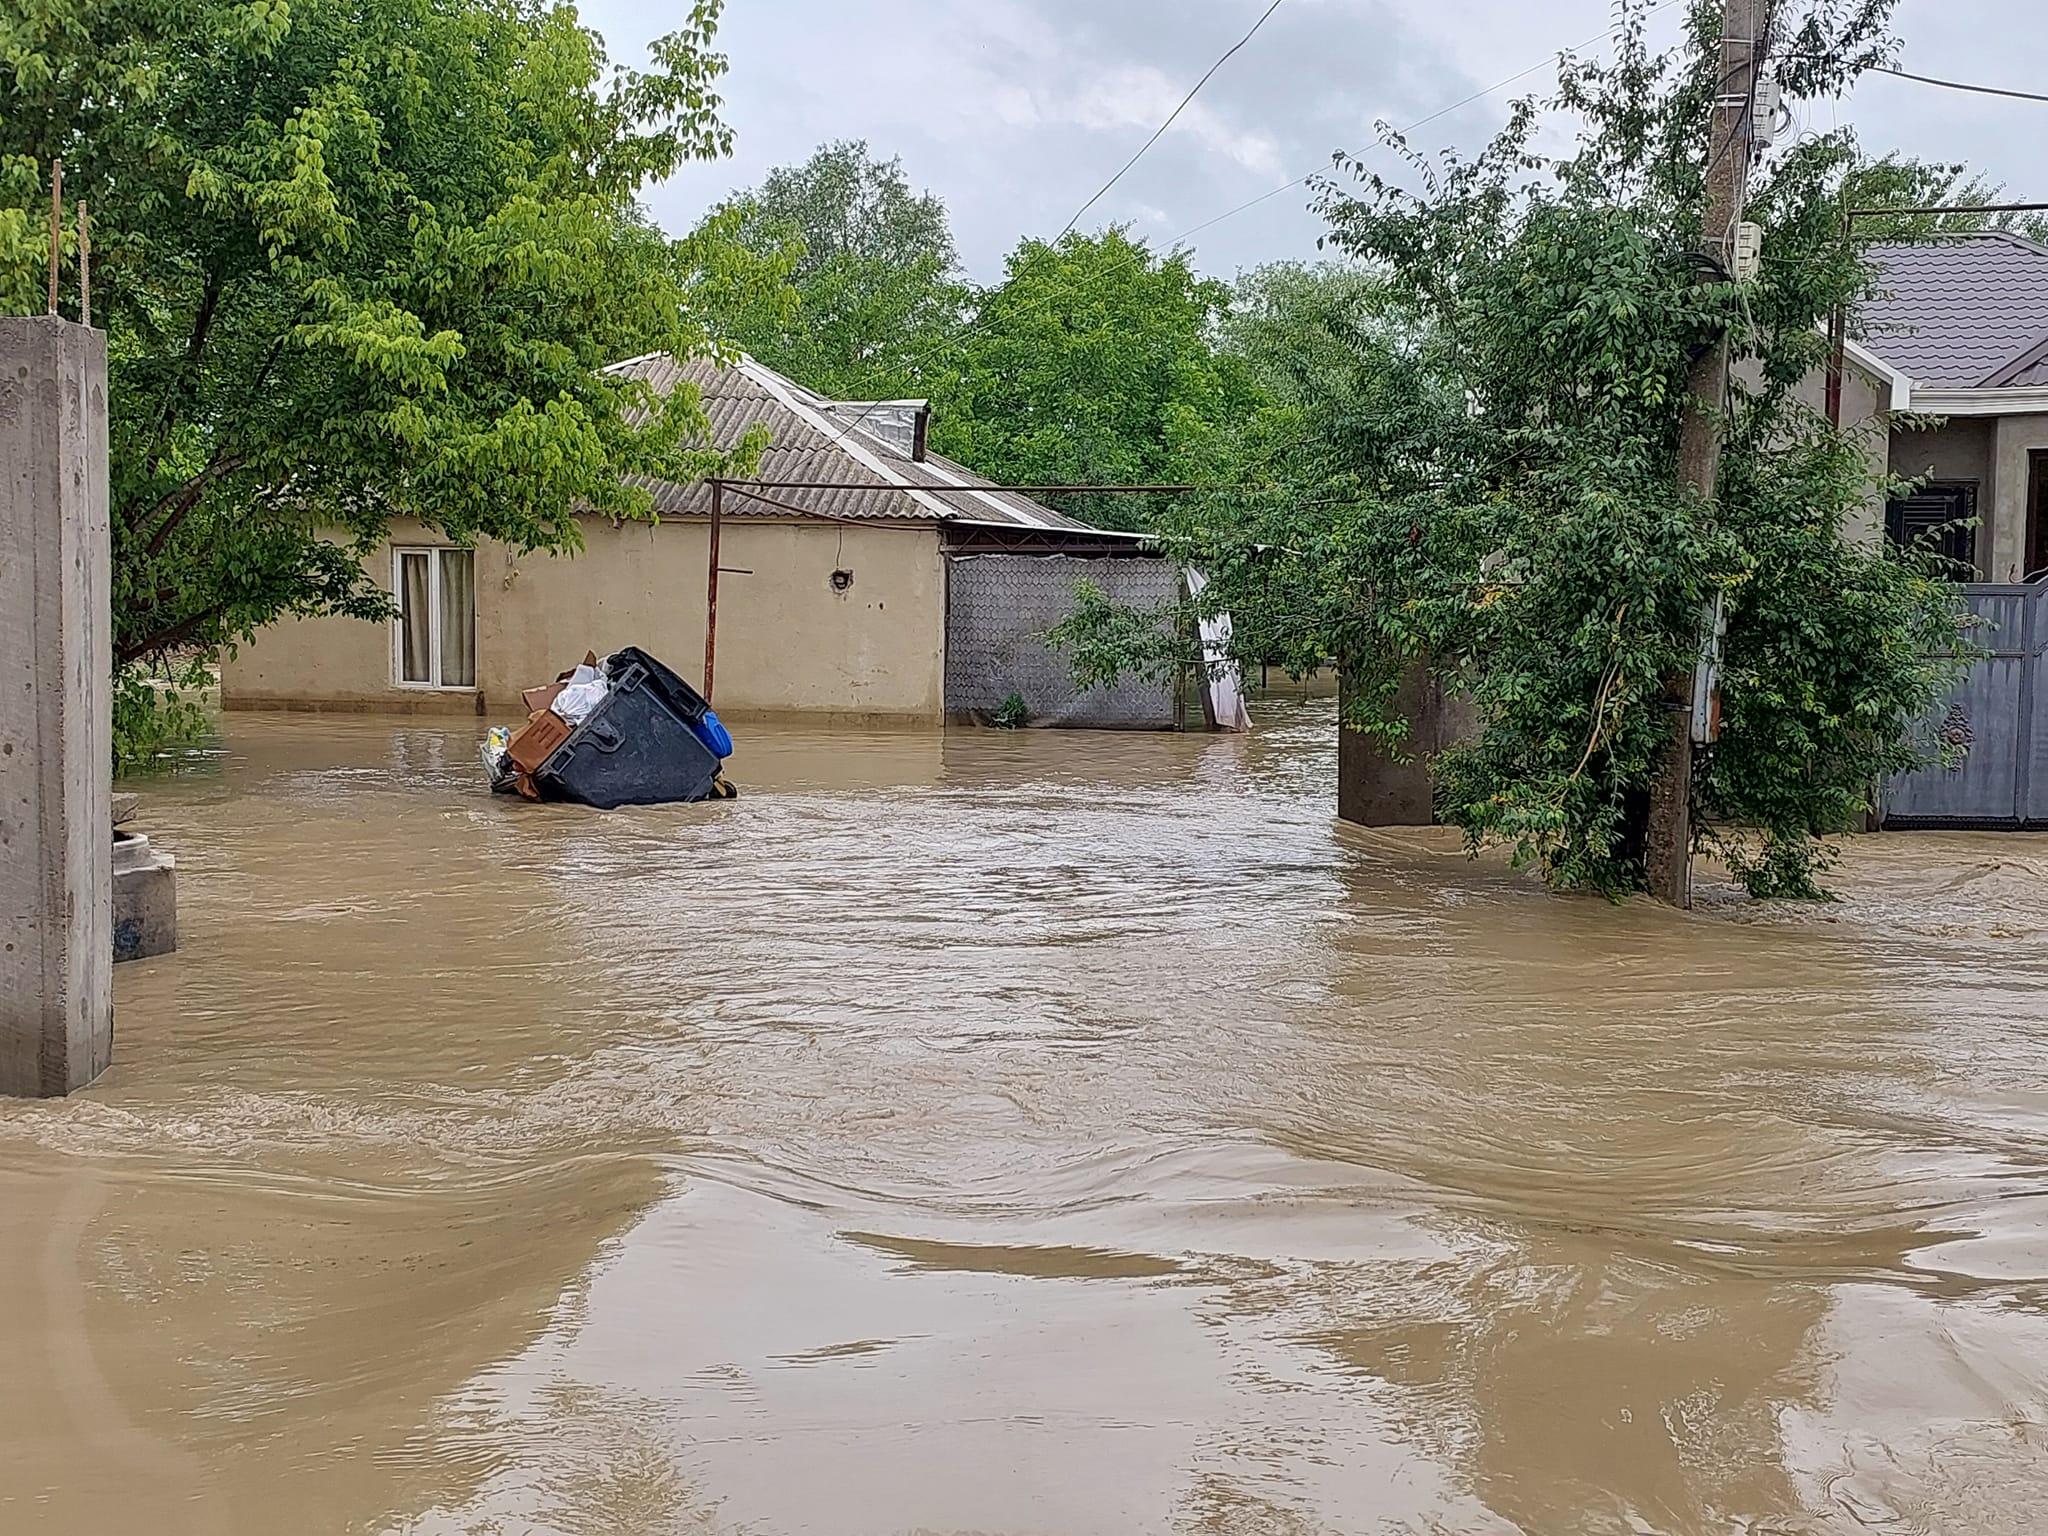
(156, 713)
(1104, 640)
(873, 283)
(1093, 361)
(359, 261)
(1897, 181)
(1013, 714)
(1478, 472)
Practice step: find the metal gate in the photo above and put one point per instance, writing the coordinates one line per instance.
(998, 609)
(1997, 709)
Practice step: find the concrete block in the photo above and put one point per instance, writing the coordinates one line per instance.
(145, 899)
(1377, 789)
(56, 724)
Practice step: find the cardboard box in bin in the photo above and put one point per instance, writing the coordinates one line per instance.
(545, 695)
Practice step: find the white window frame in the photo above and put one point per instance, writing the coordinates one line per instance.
(433, 552)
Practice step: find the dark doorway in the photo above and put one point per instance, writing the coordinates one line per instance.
(1941, 515)
(2037, 514)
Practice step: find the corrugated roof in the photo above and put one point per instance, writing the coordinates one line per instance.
(1958, 311)
(2029, 368)
(811, 438)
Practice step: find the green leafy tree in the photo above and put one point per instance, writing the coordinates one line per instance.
(1486, 481)
(1292, 323)
(355, 262)
(1094, 361)
(1898, 181)
(872, 271)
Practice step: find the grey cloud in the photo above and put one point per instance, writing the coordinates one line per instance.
(1015, 110)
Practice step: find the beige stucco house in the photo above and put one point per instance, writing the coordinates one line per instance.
(832, 604)
(1953, 352)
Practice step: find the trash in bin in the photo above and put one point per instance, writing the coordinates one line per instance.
(580, 695)
(623, 731)
(531, 745)
(497, 758)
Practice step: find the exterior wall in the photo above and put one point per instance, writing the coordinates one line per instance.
(2013, 439)
(336, 663)
(787, 643)
(1991, 450)
(1866, 410)
(1956, 449)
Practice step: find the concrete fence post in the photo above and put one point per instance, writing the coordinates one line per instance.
(1376, 788)
(56, 721)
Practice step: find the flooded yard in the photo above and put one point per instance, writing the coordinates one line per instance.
(1020, 1133)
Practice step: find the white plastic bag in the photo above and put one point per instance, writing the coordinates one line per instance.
(584, 691)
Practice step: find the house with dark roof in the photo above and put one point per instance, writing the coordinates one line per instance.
(862, 578)
(1951, 350)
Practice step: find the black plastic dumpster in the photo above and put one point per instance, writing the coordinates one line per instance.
(640, 746)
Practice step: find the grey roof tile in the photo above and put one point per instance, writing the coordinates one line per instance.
(745, 394)
(1956, 311)
(2029, 368)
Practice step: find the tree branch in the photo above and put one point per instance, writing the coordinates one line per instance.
(187, 497)
(170, 637)
(183, 389)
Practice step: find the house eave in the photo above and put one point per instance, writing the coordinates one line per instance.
(2013, 400)
(1901, 386)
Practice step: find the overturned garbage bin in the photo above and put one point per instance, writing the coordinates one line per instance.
(644, 737)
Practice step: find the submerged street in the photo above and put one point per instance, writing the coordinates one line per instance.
(1034, 1132)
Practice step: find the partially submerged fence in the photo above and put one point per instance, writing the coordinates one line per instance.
(1998, 710)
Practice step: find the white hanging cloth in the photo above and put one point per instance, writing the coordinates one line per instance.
(1226, 691)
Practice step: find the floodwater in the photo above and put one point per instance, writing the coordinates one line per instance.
(1020, 1133)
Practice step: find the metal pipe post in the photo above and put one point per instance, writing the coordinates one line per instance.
(711, 587)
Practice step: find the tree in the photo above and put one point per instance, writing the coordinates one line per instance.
(1094, 361)
(874, 273)
(1292, 322)
(1489, 482)
(1898, 181)
(355, 262)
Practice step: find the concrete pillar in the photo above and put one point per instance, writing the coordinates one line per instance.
(1377, 789)
(56, 723)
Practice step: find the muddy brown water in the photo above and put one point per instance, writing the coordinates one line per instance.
(1014, 1133)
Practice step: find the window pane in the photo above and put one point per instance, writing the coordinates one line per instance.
(414, 615)
(458, 618)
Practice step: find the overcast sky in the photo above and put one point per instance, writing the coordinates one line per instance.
(1014, 111)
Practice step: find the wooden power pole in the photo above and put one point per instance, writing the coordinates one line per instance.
(1745, 25)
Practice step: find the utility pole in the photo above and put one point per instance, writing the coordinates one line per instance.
(1745, 27)
(711, 587)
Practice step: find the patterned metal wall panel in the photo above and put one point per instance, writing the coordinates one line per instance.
(998, 610)
(1997, 711)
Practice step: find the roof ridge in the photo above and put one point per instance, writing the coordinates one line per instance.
(1941, 237)
(2024, 242)
(2016, 365)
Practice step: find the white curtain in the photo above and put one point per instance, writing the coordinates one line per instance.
(1226, 695)
(458, 618)
(415, 618)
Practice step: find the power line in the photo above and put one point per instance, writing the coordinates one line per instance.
(1420, 122)
(1160, 131)
(982, 323)
(1959, 85)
